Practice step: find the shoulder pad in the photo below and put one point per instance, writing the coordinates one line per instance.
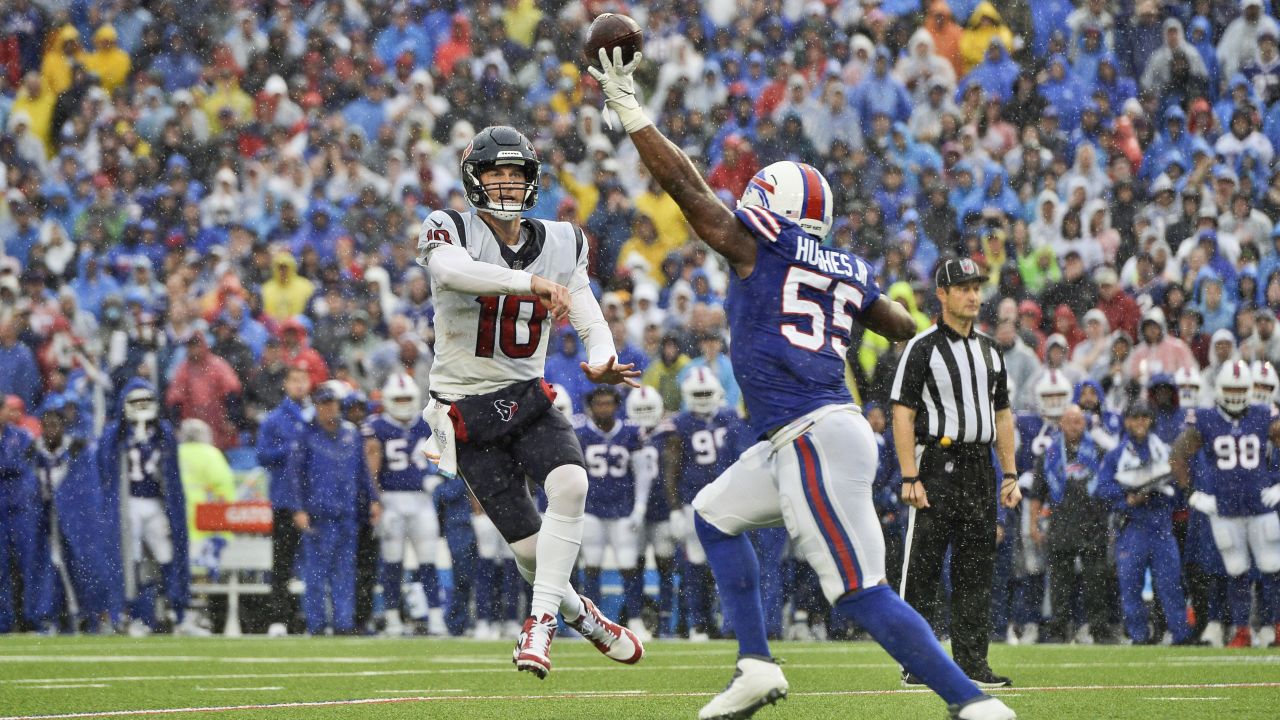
(445, 227)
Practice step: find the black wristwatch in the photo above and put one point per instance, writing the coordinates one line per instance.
(906, 480)
(1010, 476)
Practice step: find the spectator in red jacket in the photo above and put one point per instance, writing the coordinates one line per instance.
(736, 166)
(1122, 311)
(205, 387)
(297, 352)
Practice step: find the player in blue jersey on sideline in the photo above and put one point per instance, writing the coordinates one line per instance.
(645, 408)
(792, 303)
(395, 449)
(700, 443)
(1241, 491)
(616, 496)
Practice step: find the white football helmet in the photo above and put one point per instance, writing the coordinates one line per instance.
(701, 392)
(795, 191)
(644, 407)
(140, 406)
(1190, 387)
(1053, 393)
(1234, 387)
(1265, 382)
(401, 398)
(563, 402)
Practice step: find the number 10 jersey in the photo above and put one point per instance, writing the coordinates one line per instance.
(486, 343)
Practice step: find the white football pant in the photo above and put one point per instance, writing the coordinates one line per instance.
(149, 527)
(1237, 537)
(598, 533)
(408, 515)
(818, 484)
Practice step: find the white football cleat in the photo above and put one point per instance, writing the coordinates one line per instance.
(191, 627)
(698, 636)
(756, 682)
(533, 649)
(486, 630)
(616, 642)
(435, 622)
(1030, 633)
(395, 626)
(983, 707)
(277, 630)
(636, 626)
(1214, 633)
(137, 628)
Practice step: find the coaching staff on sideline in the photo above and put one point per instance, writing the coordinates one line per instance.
(950, 403)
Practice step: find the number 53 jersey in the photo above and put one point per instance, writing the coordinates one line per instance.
(1236, 451)
(791, 319)
(486, 343)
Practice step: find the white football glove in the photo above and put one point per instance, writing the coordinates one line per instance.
(620, 89)
(679, 526)
(1271, 496)
(1206, 504)
(430, 483)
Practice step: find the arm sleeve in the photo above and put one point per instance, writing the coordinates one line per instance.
(586, 317)
(908, 382)
(456, 270)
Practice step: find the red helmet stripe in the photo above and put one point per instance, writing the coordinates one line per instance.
(814, 200)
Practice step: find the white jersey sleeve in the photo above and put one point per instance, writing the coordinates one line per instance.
(585, 314)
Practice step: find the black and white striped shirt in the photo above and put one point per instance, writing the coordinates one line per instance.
(954, 383)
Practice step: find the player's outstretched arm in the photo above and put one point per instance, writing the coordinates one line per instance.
(1184, 448)
(672, 168)
(890, 320)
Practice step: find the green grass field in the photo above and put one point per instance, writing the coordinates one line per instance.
(428, 678)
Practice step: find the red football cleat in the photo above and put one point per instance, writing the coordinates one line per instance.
(1242, 639)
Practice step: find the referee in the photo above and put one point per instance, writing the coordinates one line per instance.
(950, 404)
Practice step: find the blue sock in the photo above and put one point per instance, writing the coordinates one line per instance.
(392, 579)
(633, 592)
(1240, 599)
(486, 590)
(430, 584)
(591, 584)
(907, 638)
(737, 572)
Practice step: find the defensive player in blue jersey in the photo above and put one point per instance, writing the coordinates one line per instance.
(1240, 493)
(616, 497)
(792, 304)
(1035, 433)
(699, 444)
(394, 447)
(145, 508)
(645, 408)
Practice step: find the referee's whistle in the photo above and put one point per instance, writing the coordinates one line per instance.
(945, 442)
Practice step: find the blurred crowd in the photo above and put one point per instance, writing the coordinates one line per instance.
(207, 193)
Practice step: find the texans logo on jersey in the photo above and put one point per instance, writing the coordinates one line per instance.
(506, 409)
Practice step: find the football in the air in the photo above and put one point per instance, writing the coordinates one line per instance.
(611, 30)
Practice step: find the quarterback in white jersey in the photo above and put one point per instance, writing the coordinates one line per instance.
(500, 281)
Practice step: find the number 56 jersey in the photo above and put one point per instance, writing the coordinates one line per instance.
(486, 343)
(791, 319)
(404, 458)
(1236, 453)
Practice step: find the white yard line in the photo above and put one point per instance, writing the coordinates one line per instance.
(501, 667)
(1179, 699)
(604, 694)
(74, 686)
(247, 660)
(238, 689)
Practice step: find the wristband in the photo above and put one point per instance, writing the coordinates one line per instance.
(1010, 476)
(906, 480)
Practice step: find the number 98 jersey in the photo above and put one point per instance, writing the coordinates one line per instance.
(1235, 452)
(404, 459)
(708, 446)
(791, 319)
(486, 343)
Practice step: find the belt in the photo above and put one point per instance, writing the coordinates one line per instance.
(947, 443)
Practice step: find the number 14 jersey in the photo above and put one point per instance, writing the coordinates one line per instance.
(486, 343)
(791, 319)
(1236, 449)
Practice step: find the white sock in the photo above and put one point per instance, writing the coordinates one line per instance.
(525, 551)
(559, 539)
